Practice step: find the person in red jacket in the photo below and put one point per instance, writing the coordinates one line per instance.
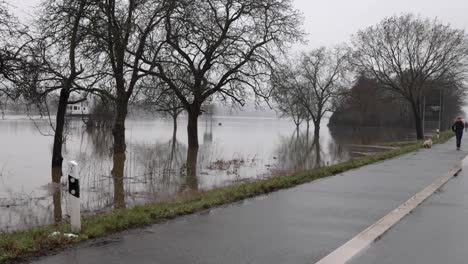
(458, 127)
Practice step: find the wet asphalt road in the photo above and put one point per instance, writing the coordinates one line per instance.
(299, 225)
(435, 233)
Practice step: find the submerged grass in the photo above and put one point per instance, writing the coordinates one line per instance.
(21, 245)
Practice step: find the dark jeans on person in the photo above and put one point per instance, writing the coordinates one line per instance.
(459, 137)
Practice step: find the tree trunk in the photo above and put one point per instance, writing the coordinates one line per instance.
(119, 153)
(317, 129)
(318, 157)
(174, 131)
(57, 158)
(192, 152)
(57, 195)
(118, 176)
(417, 120)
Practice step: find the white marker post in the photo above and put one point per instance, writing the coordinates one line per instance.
(74, 191)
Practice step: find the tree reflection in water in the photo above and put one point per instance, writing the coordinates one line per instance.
(149, 170)
(369, 135)
(101, 140)
(302, 151)
(159, 167)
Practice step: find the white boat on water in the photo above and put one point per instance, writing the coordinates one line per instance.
(79, 109)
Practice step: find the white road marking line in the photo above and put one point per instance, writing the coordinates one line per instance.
(361, 241)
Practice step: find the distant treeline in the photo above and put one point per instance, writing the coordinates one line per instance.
(367, 104)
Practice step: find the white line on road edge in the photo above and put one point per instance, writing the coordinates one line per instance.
(361, 241)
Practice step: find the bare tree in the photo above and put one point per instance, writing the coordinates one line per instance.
(60, 62)
(285, 83)
(102, 113)
(122, 34)
(405, 52)
(157, 97)
(324, 73)
(313, 84)
(224, 47)
(13, 38)
(366, 104)
(299, 154)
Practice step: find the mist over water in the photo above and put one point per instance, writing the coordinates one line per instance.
(232, 149)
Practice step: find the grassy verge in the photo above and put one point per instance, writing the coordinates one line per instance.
(37, 241)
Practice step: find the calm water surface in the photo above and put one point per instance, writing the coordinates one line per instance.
(231, 150)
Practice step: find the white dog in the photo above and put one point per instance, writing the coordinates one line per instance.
(427, 143)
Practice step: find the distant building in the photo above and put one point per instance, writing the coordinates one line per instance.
(80, 109)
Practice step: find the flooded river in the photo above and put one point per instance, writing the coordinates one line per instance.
(232, 149)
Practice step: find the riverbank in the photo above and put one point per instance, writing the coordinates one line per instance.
(37, 241)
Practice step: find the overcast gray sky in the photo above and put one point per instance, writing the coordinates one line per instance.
(334, 21)
(330, 22)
